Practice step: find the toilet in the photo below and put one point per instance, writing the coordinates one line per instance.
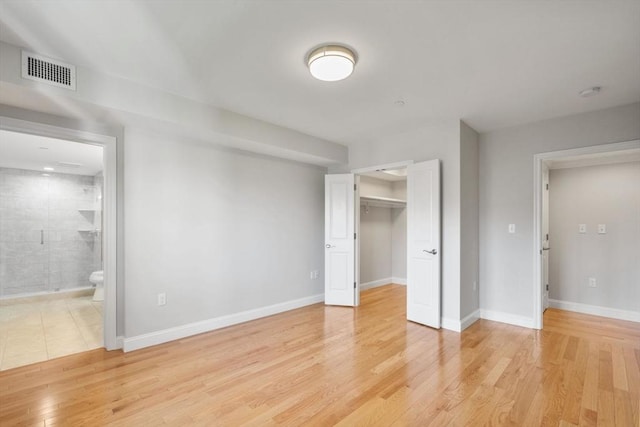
(97, 278)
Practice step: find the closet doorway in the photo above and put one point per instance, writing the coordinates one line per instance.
(382, 225)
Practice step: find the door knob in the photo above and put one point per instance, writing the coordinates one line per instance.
(432, 251)
(328, 246)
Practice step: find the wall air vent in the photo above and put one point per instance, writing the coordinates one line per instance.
(46, 70)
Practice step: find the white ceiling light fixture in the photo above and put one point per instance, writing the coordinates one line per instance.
(331, 63)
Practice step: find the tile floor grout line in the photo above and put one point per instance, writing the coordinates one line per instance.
(75, 322)
(39, 309)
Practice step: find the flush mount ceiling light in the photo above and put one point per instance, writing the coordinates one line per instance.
(331, 63)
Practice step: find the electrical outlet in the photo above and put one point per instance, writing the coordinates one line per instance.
(592, 282)
(162, 298)
(512, 228)
(314, 274)
(602, 229)
(582, 228)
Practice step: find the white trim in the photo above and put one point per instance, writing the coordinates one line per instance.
(450, 324)
(460, 325)
(171, 334)
(470, 320)
(119, 341)
(396, 165)
(512, 319)
(399, 280)
(596, 310)
(109, 143)
(375, 283)
(538, 160)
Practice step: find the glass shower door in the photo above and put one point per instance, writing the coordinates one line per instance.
(24, 225)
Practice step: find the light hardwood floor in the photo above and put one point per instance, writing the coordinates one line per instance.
(332, 365)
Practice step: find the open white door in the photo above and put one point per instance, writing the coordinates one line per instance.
(545, 237)
(339, 232)
(423, 243)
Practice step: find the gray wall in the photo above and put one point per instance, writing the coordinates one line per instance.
(469, 223)
(383, 233)
(438, 140)
(219, 231)
(64, 257)
(399, 233)
(604, 194)
(375, 244)
(506, 196)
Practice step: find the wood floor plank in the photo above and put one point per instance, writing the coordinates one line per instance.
(324, 366)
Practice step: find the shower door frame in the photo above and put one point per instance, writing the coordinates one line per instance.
(110, 198)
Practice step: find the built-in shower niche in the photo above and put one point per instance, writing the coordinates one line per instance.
(50, 231)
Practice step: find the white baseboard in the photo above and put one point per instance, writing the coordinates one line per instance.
(512, 319)
(450, 324)
(119, 342)
(171, 334)
(470, 320)
(460, 325)
(375, 283)
(382, 282)
(596, 310)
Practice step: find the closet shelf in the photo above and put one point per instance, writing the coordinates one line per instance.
(382, 202)
(88, 210)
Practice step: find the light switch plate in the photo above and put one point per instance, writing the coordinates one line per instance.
(602, 229)
(582, 228)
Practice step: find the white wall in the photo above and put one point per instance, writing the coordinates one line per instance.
(604, 194)
(506, 196)
(220, 232)
(370, 186)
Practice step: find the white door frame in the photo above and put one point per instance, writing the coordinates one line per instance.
(538, 160)
(108, 143)
(396, 165)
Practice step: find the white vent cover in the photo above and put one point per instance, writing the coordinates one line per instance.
(46, 70)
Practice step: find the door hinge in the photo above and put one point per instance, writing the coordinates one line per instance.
(354, 285)
(547, 186)
(354, 236)
(354, 187)
(547, 286)
(546, 236)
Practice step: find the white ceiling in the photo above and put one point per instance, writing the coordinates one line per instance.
(32, 152)
(491, 63)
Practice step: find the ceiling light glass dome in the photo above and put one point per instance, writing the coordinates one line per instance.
(331, 63)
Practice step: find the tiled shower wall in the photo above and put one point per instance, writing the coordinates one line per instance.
(47, 237)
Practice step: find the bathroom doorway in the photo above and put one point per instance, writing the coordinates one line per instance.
(52, 246)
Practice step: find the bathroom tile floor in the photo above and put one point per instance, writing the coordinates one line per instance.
(35, 331)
